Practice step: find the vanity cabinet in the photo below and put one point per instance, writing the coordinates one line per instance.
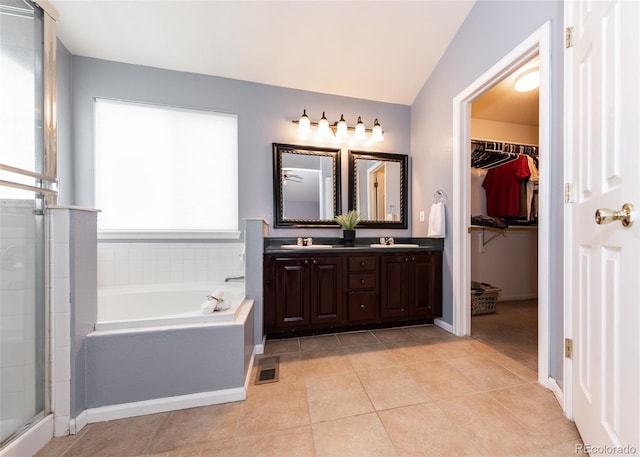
(362, 288)
(303, 291)
(407, 285)
(306, 293)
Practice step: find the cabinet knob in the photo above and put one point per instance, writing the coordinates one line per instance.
(361, 281)
(362, 305)
(315, 262)
(306, 262)
(362, 263)
(413, 259)
(406, 259)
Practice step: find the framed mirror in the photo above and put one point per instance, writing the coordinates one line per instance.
(306, 186)
(378, 188)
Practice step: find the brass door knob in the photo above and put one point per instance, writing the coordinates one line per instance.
(626, 215)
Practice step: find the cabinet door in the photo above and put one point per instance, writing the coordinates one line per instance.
(395, 285)
(292, 292)
(424, 290)
(326, 290)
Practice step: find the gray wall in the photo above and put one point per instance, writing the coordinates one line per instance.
(65, 119)
(492, 29)
(264, 117)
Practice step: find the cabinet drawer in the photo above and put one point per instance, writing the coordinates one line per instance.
(362, 280)
(363, 263)
(362, 306)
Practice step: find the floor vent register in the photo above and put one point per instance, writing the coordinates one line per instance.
(267, 370)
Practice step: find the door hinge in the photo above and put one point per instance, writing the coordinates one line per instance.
(568, 348)
(568, 37)
(568, 193)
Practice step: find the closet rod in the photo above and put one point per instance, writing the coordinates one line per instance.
(502, 143)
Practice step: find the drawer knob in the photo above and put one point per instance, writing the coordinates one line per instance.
(315, 262)
(362, 305)
(406, 259)
(306, 262)
(413, 259)
(362, 263)
(361, 281)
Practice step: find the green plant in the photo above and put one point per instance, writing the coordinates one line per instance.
(348, 221)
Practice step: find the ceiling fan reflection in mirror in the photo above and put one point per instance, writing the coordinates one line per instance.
(288, 176)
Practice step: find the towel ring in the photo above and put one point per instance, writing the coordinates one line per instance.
(439, 196)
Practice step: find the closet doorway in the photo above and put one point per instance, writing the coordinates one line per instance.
(538, 44)
(503, 188)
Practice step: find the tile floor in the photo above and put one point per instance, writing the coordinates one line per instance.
(413, 391)
(512, 330)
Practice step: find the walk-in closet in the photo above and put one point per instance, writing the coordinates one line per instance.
(504, 183)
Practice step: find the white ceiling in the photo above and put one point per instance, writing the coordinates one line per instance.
(376, 50)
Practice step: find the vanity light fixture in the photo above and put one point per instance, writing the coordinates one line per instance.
(360, 130)
(376, 134)
(304, 124)
(528, 80)
(323, 126)
(340, 128)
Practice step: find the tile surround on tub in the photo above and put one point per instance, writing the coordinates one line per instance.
(121, 264)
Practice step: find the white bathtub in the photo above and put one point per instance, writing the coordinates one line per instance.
(153, 305)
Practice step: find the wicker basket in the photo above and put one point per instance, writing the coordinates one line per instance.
(484, 302)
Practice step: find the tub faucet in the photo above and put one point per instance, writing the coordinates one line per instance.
(234, 278)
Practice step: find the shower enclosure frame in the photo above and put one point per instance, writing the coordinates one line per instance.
(31, 434)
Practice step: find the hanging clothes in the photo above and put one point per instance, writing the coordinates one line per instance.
(532, 190)
(502, 185)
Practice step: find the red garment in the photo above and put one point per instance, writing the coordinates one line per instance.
(502, 185)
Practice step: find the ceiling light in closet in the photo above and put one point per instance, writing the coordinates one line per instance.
(528, 80)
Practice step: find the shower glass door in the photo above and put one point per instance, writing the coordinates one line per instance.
(23, 341)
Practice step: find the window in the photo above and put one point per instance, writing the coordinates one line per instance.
(165, 171)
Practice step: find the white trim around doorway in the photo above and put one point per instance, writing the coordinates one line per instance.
(536, 44)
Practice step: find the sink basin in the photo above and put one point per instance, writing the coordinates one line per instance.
(398, 245)
(313, 246)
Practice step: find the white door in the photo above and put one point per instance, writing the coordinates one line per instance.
(603, 261)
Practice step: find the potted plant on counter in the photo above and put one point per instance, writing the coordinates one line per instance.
(348, 223)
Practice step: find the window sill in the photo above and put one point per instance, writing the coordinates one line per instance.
(167, 235)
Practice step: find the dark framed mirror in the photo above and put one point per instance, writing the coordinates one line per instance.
(378, 188)
(306, 186)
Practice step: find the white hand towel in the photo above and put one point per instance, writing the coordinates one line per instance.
(208, 307)
(222, 305)
(436, 221)
(217, 294)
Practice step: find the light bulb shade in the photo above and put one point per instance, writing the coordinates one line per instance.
(360, 130)
(323, 126)
(342, 130)
(376, 132)
(528, 80)
(304, 124)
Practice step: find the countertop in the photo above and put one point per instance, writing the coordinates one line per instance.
(274, 245)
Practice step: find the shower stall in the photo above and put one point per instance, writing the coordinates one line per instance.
(24, 185)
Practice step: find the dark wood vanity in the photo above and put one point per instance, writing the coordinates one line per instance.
(310, 291)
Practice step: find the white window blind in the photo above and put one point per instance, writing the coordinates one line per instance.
(161, 169)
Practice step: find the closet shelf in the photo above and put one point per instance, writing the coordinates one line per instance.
(497, 231)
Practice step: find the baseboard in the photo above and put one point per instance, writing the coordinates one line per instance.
(78, 423)
(533, 296)
(553, 386)
(443, 325)
(31, 441)
(259, 348)
(161, 405)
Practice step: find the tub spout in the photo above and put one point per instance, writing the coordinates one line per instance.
(234, 278)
